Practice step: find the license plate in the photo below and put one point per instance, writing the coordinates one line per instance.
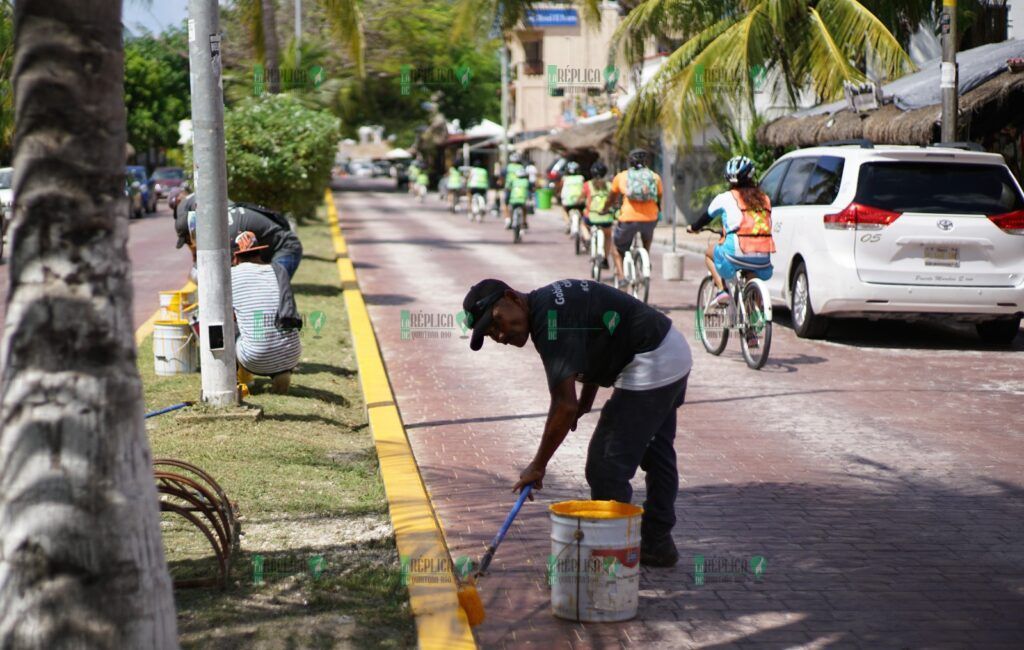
(941, 256)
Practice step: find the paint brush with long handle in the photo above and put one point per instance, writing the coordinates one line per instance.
(469, 597)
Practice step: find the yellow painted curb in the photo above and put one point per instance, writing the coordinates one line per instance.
(440, 622)
(147, 328)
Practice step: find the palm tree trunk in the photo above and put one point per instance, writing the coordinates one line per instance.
(81, 558)
(271, 53)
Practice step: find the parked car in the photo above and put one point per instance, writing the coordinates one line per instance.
(133, 194)
(138, 172)
(166, 178)
(6, 203)
(381, 168)
(361, 168)
(897, 232)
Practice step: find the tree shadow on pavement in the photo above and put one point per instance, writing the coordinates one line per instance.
(895, 334)
(874, 559)
(387, 299)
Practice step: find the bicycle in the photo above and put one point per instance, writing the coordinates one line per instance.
(636, 269)
(575, 221)
(421, 192)
(518, 215)
(597, 258)
(478, 206)
(752, 320)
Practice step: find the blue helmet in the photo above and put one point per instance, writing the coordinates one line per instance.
(739, 169)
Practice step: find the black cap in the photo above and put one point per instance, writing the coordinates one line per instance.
(181, 219)
(478, 303)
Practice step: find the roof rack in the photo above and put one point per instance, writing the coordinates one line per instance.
(966, 146)
(863, 143)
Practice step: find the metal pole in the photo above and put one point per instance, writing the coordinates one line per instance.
(298, 34)
(948, 82)
(503, 154)
(217, 334)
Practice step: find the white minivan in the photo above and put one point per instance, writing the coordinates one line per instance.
(897, 232)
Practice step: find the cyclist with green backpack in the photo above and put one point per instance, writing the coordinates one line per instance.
(599, 212)
(637, 192)
(572, 197)
(455, 186)
(510, 173)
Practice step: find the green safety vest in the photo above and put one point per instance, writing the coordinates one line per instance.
(454, 179)
(519, 191)
(422, 178)
(598, 211)
(478, 178)
(572, 190)
(512, 170)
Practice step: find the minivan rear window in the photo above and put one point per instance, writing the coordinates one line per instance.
(938, 187)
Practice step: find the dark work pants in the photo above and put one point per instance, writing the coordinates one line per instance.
(638, 429)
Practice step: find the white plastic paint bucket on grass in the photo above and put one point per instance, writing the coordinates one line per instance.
(593, 568)
(174, 348)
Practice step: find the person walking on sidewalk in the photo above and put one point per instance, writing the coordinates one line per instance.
(590, 333)
(638, 191)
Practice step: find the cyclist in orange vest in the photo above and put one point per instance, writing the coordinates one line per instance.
(745, 213)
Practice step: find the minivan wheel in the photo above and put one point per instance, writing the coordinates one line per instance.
(999, 332)
(806, 323)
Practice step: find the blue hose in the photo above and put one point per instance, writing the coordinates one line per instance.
(167, 409)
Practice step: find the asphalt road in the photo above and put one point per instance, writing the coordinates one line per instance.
(879, 473)
(156, 264)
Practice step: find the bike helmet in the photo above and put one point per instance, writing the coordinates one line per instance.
(598, 169)
(572, 168)
(522, 173)
(739, 169)
(638, 158)
(514, 157)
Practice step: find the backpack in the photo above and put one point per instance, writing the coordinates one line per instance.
(598, 199)
(572, 190)
(641, 185)
(276, 217)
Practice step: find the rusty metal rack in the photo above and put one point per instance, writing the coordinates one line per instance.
(192, 493)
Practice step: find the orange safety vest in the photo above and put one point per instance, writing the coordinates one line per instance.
(755, 233)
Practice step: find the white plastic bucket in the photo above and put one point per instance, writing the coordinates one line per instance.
(593, 568)
(174, 348)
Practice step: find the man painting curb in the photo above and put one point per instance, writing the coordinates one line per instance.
(599, 336)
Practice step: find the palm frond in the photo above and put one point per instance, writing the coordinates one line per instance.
(826, 62)
(346, 21)
(865, 36)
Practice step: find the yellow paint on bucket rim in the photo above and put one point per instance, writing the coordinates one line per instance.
(175, 323)
(595, 509)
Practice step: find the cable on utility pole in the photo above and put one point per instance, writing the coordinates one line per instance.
(217, 332)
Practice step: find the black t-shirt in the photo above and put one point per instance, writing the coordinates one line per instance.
(591, 331)
(267, 231)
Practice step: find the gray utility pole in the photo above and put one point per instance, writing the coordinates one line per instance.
(504, 103)
(949, 76)
(217, 334)
(298, 34)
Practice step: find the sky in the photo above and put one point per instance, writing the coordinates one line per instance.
(155, 15)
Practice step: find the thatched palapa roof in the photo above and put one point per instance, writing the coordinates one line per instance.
(991, 97)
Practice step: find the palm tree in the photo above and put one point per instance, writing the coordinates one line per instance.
(343, 16)
(726, 45)
(82, 563)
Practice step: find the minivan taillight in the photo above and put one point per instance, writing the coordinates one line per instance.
(860, 217)
(1010, 222)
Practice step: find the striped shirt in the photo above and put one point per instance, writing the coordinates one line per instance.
(261, 348)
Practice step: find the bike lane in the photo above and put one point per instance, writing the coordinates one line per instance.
(881, 485)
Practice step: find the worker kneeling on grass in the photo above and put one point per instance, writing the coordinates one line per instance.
(268, 323)
(590, 333)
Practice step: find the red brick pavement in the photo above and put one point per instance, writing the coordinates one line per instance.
(880, 474)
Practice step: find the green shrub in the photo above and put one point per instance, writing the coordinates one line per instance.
(280, 153)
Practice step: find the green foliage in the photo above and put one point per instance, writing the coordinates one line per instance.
(156, 88)
(735, 142)
(280, 153)
(6, 88)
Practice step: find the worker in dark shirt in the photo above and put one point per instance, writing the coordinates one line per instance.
(593, 334)
(284, 247)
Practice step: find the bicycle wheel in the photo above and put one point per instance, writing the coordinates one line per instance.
(596, 254)
(711, 320)
(756, 329)
(642, 274)
(517, 224)
(628, 270)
